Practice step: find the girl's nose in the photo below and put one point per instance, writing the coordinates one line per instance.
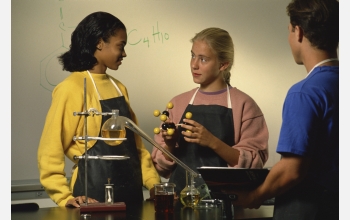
(194, 64)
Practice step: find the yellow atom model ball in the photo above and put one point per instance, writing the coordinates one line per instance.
(156, 130)
(156, 113)
(170, 131)
(163, 117)
(188, 115)
(170, 105)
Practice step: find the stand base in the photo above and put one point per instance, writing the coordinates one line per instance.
(102, 207)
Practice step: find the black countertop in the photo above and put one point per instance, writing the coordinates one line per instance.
(144, 211)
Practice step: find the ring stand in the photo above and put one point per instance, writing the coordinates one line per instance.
(118, 206)
(96, 207)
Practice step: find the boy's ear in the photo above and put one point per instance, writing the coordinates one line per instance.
(299, 33)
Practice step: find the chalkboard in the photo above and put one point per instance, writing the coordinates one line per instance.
(157, 64)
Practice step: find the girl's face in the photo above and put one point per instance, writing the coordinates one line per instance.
(205, 67)
(110, 54)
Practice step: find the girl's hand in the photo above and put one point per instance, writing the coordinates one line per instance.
(79, 200)
(197, 133)
(170, 140)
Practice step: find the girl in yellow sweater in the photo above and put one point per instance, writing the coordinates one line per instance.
(97, 43)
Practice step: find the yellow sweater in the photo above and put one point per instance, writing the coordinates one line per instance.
(61, 126)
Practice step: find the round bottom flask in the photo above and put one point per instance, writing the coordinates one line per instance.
(190, 195)
(113, 128)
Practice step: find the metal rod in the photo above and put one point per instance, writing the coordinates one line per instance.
(98, 138)
(86, 136)
(104, 157)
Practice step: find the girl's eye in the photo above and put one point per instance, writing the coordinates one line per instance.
(201, 58)
(121, 47)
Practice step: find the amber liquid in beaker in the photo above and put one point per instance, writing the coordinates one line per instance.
(189, 200)
(113, 134)
(164, 203)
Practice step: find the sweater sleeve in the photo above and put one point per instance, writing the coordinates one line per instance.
(57, 134)
(251, 132)
(164, 166)
(57, 137)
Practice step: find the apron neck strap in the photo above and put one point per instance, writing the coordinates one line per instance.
(322, 62)
(229, 105)
(93, 82)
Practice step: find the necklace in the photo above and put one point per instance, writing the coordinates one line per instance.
(322, 62)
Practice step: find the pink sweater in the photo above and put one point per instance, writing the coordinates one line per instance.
(250, 129)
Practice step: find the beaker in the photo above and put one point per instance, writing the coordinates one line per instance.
(164, 194)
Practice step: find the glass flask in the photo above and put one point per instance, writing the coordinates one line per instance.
(190, 195)
(113, 128)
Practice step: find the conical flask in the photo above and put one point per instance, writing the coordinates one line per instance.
(189, 196)
(113, 128)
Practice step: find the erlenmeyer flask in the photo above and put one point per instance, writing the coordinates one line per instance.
(113, 128)
(189, 196)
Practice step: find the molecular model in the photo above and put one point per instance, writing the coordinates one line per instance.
(167, 126)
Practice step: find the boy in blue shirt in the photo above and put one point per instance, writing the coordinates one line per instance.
(305, 182)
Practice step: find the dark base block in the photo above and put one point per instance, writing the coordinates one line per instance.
(102, 207)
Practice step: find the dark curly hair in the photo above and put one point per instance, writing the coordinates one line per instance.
(319, 20)
(84, 40)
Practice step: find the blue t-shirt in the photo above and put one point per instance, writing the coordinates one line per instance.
(310, 124)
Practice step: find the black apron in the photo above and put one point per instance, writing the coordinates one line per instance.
(124, 174)
(216, 119)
